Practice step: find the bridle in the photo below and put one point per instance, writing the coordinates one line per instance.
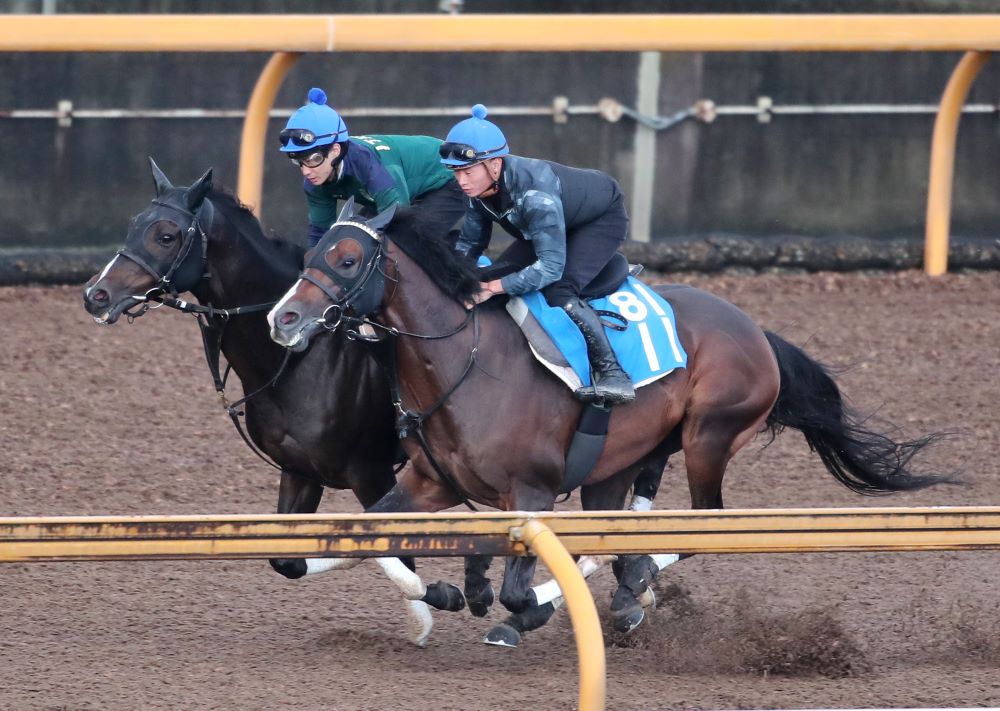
(184, 274)
(361, 296)
(362, 287)
(183, 269)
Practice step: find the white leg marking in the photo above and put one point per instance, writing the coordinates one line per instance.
(321, 565)
(419, 622)
(551, 592)
(547, 592)
(409, 582)
(640, 503)
(662, 560)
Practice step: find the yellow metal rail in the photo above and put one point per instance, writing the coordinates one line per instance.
(551, 536)
(943, 162)
(456, 534)
(497, 33)
(586, 624)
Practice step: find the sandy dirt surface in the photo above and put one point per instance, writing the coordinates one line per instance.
(123, 420)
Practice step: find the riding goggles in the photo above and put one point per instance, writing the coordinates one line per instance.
(303, 136)
(465, 152)
(310, 159)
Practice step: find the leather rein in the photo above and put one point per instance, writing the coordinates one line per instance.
(211, 320)
(408, 422)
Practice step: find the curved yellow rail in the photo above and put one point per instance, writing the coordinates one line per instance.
(587, 626)
(253, 141)
(943, 161)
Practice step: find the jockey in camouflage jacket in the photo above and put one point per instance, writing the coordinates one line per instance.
(567, 223)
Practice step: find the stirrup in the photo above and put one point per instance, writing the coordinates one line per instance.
(616, 397)
(588, 394)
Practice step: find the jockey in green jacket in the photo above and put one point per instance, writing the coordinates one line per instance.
(377, 171)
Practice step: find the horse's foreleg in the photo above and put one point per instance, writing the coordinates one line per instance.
(297, 494)
(478, 589)
(407, 496)
(548, 599)
(516, 593)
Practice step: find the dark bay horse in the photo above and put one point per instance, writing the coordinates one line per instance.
(327, 420)
(497, 425)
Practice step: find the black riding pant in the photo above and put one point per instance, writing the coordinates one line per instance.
(590, 258)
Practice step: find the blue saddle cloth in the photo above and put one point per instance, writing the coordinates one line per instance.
(647, 349)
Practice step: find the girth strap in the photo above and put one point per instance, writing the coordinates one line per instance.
(586, 447)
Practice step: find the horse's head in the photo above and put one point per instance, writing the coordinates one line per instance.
(342, 273)
(164, 251)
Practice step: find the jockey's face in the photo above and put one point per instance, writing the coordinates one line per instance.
(319, 174)
(479, 178)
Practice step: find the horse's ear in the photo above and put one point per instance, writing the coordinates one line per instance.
(197, 192)
(383, 218)
(348, 212)
(159, 179)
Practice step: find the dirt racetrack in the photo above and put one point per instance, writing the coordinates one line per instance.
(123, 420)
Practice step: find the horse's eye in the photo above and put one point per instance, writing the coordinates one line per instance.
(349, 262)
(166, 239)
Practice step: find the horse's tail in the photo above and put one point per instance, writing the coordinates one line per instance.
(863, 460)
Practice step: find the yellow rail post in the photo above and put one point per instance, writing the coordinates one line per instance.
(252, 144)
(580, 603)
(939, 186)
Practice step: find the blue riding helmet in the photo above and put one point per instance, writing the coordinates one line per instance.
(313, 125)
(472, 141)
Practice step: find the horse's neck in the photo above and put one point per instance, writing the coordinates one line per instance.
(240, 275)
(427, 367)
(239, 272)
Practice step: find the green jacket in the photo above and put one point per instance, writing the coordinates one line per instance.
(378, 171)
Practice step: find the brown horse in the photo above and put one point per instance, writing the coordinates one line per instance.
(490, 424)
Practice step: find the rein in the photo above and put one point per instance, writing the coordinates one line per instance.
(409, 422)
(164, 281)
(211, 333)
(211, 339)
(369, 283)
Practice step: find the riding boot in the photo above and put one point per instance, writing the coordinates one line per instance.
(611, 383)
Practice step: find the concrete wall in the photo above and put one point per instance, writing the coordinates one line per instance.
(814, 176)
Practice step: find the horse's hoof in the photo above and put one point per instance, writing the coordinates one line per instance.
(419, 623)
(444, 596)
(628, 619)
(479, 605)
(291, 568)
(503, 635)
(648, 599)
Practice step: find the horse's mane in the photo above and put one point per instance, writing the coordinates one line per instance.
(424, 237)
(248, 225)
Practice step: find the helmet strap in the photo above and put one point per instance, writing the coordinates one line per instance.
(495, 187)
(338, 162)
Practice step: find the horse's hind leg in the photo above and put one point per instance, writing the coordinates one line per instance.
(709, 441)
(635, 573)
(647, 484)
